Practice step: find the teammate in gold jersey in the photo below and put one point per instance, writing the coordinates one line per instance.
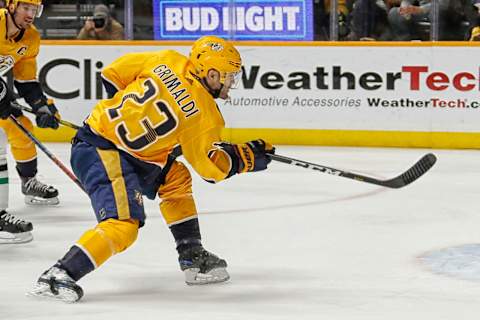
(158, 101)
(19, 46)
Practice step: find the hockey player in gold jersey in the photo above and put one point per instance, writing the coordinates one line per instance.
(19, 46)
(159, 100)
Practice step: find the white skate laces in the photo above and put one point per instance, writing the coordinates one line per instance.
(10, 218)
(14, 230)
(38, 193)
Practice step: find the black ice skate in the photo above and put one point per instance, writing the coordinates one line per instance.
(38, 193)
(202, 267)
(14, 230)
(55, 283)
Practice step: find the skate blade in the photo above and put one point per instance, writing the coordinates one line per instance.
(37, 201)
(42, 291)
(193, 276)
(15, 238)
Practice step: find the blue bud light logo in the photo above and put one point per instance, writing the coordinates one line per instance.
(242, 20)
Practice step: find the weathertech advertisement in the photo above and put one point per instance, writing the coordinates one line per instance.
(307, 87)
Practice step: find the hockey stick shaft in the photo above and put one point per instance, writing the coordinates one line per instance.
(16, 105)
(412, 174)
(47, 152)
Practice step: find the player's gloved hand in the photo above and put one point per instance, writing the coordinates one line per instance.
(5, 98)
(47, 114)
(254, 155)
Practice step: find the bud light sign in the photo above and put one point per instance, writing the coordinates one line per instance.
(239, 19)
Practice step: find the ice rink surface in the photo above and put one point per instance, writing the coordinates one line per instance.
(300, 245)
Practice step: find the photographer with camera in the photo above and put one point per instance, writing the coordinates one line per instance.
(101, 26)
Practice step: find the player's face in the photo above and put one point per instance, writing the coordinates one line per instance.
(231, 82)
(25, 14)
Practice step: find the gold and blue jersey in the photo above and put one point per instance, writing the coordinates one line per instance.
(158, 106)
(19, 52)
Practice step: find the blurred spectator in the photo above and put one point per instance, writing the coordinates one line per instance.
(456, 20)
(369, 20)
(406, 19)
(2, 4)
(321, 18)
(411, 20)
(476, 3)
(474, 32)
(102, 26)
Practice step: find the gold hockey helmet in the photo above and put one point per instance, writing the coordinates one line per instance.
(37, 3)
(210, 52)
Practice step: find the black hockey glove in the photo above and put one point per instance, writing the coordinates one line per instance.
(47, 114)
(5, 98)
(254, 155)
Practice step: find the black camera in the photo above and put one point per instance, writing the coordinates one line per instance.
(99, 22)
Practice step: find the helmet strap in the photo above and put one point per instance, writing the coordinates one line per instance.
(12, 15)
(214, 92)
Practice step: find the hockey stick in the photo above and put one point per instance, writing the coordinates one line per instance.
(18, 106)
(47, 152)
(412, 174)
(3, 71)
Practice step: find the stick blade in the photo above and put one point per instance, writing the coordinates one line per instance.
(415, 172)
